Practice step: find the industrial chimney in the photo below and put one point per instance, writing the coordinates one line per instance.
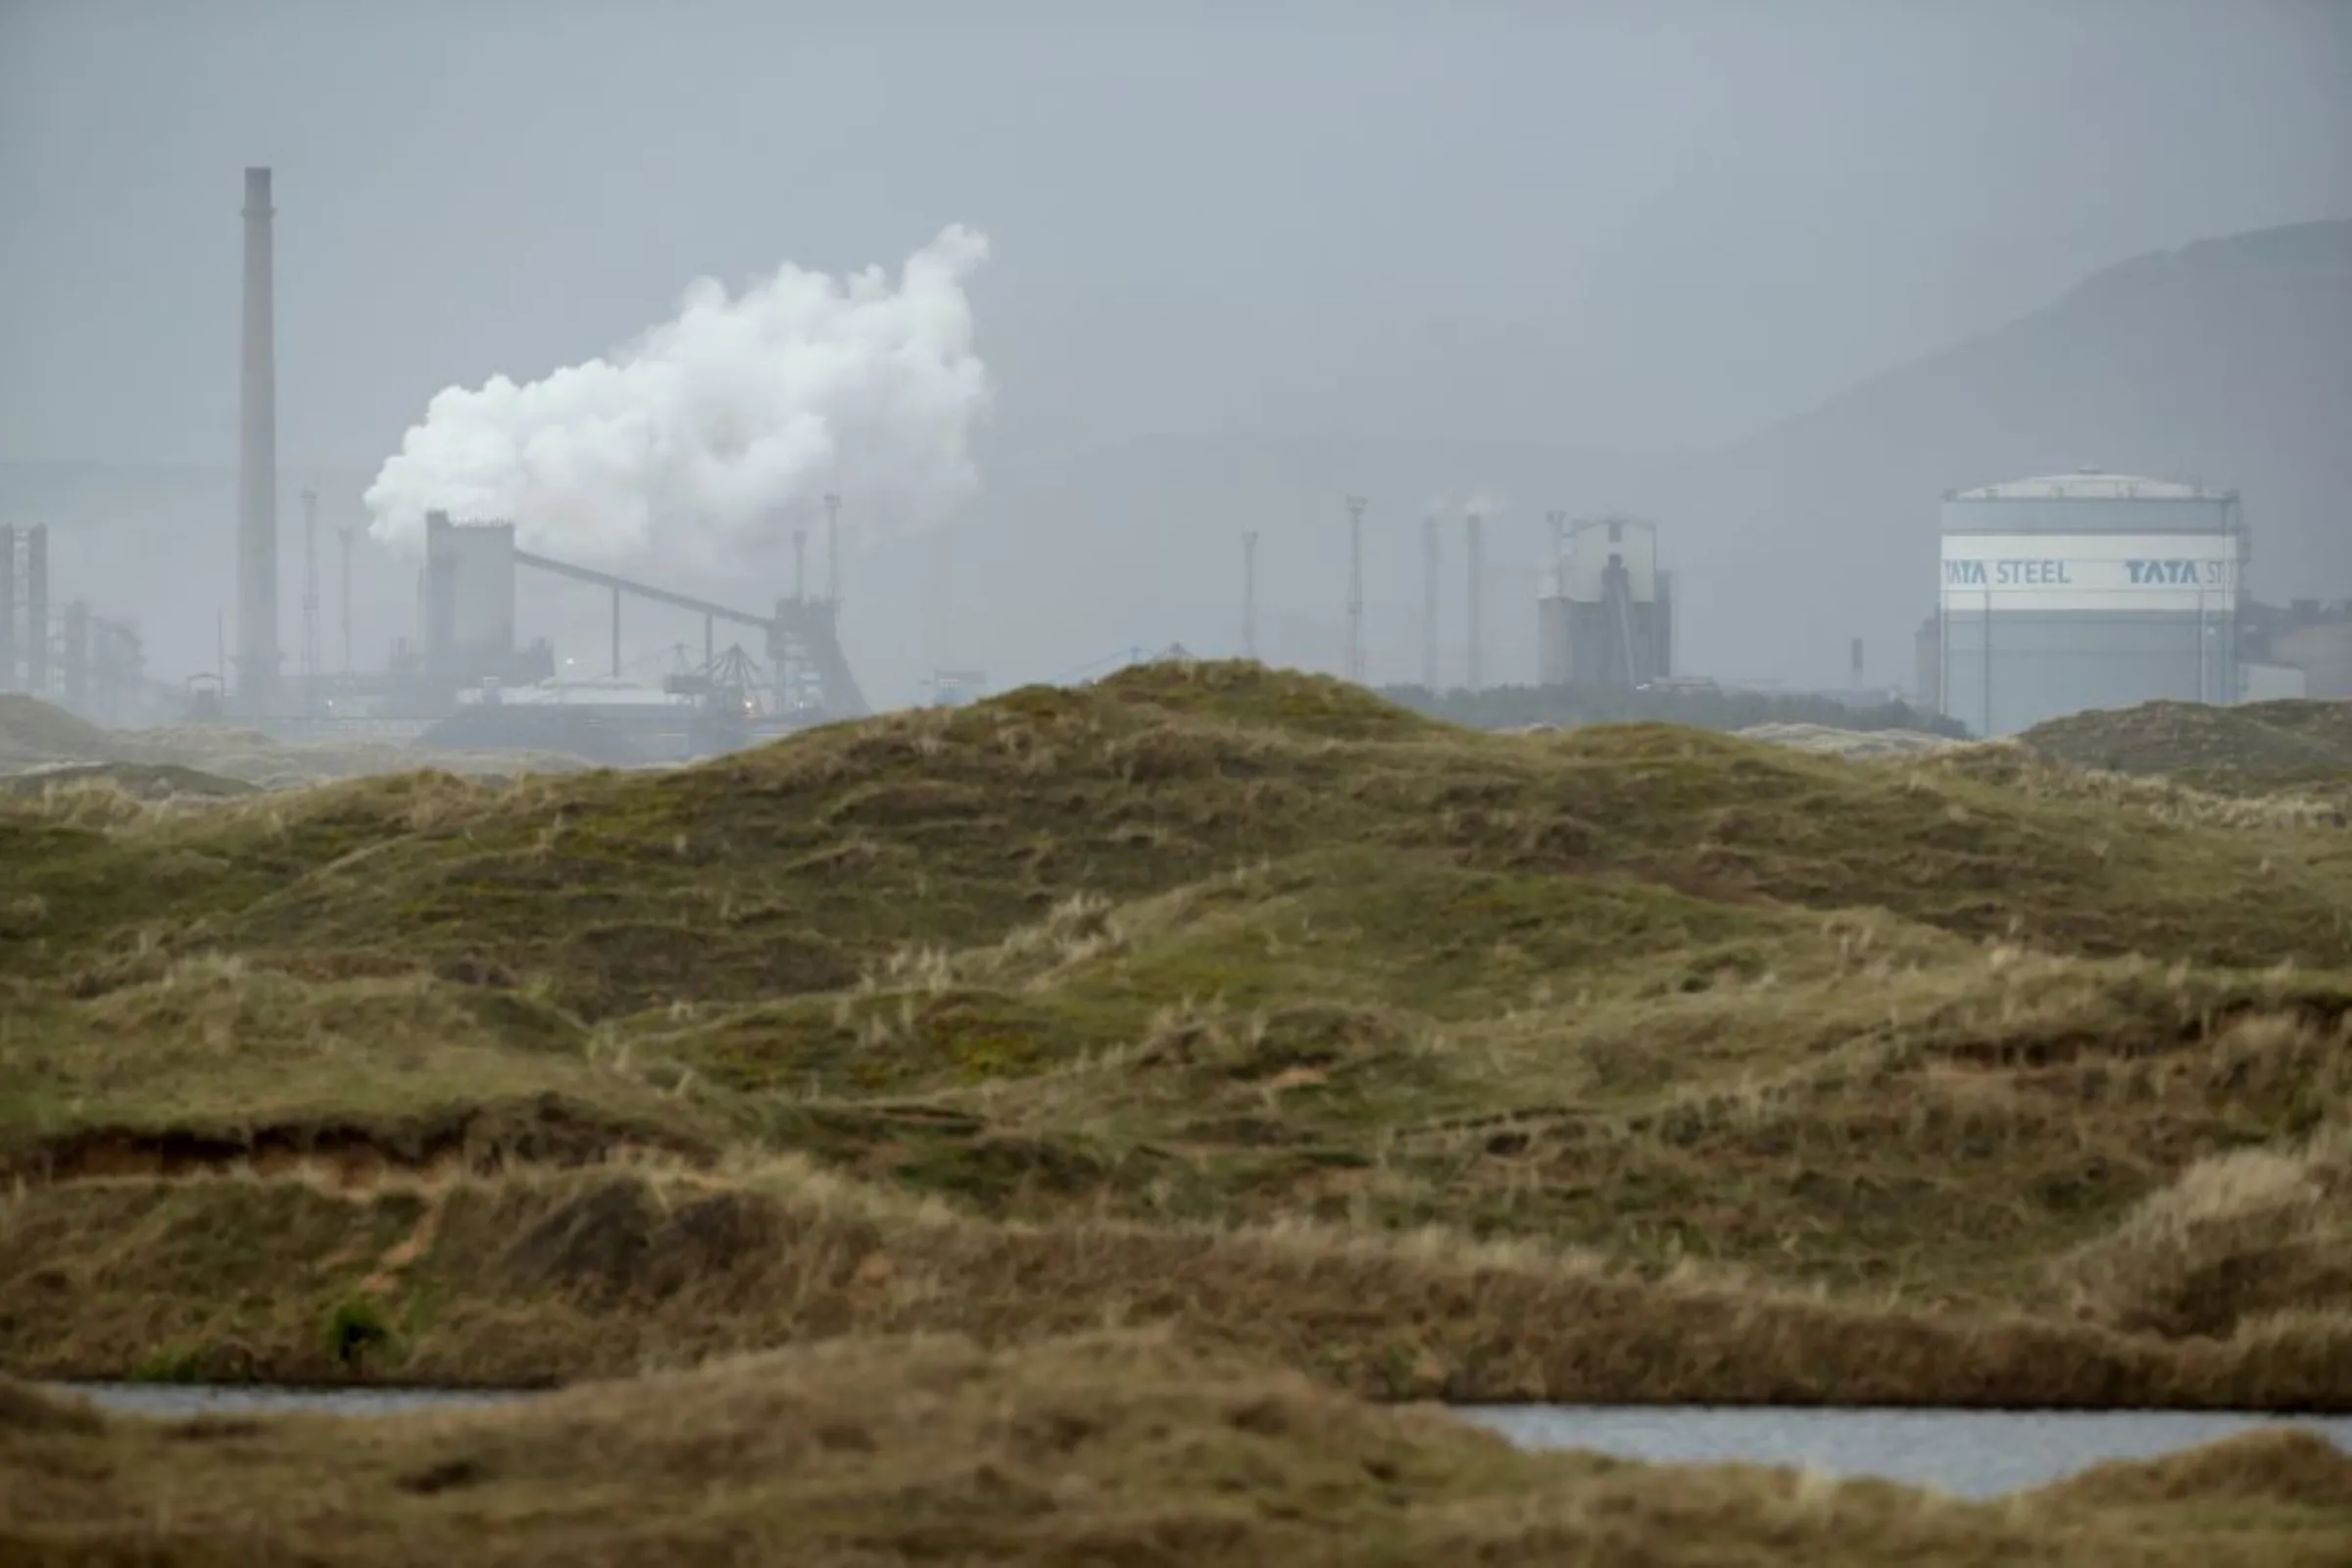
(1429, 604)
(37, 610)
(257, 464)
(8, 608)
(1356, 588)
(1476, 549)
(1250, 594)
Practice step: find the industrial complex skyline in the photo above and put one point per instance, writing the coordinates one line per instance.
(1544, 293)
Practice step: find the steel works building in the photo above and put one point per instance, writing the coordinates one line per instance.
(2082, 590)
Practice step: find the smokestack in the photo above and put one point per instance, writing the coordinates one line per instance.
(440, 587)
(8, 608)
(1250, 594)
(1858, 677)
(37, 610)
(310, 600)
(1428, 603)
(257, 462)
(75, 659)
(833, 551)
(1477, 549)
(1355, 589)
(345, 533)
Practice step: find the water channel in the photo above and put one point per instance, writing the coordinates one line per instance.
(1974, 1453)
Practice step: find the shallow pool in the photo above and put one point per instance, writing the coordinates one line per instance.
(1968, 1452)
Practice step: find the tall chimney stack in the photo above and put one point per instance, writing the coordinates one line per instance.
(310, 669)
(1250, 594)
(8, 607)
(1356, 588)
(257, 464)
(833, 552)
(37, 610)
(1476, 548)
(1428, 603)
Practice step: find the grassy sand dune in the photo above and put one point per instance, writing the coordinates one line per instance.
(44, 748)
(1869, 1077)
(217, 1062)
(1105, 1447)
(2255, 748)
(2239, 1236)
(530, 1279)
(270, 764)
(32, 731)
(2302, 805)
(954, 828)
(111, 786)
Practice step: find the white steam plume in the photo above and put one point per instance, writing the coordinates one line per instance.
(708, 439)
(1479, 503)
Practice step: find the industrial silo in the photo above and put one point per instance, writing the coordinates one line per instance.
(1605, 611)
(2316, 639)
(467, 598)
(2087, 590)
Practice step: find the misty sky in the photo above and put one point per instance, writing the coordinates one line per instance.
(1631, 226)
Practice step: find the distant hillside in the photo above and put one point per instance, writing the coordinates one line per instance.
(2228, 361)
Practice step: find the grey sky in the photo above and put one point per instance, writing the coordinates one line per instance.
(1629, 227)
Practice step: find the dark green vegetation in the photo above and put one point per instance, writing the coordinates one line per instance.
(1098, 1448)
(1630, 1062)
(1568, 706)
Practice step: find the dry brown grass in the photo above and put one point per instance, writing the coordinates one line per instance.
(1102, 1449)
(2238, 1236)
(529, 1278)
(104, 794)
(274, 765)
(2253, 749)
(214, 1062)
(2309, 803)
